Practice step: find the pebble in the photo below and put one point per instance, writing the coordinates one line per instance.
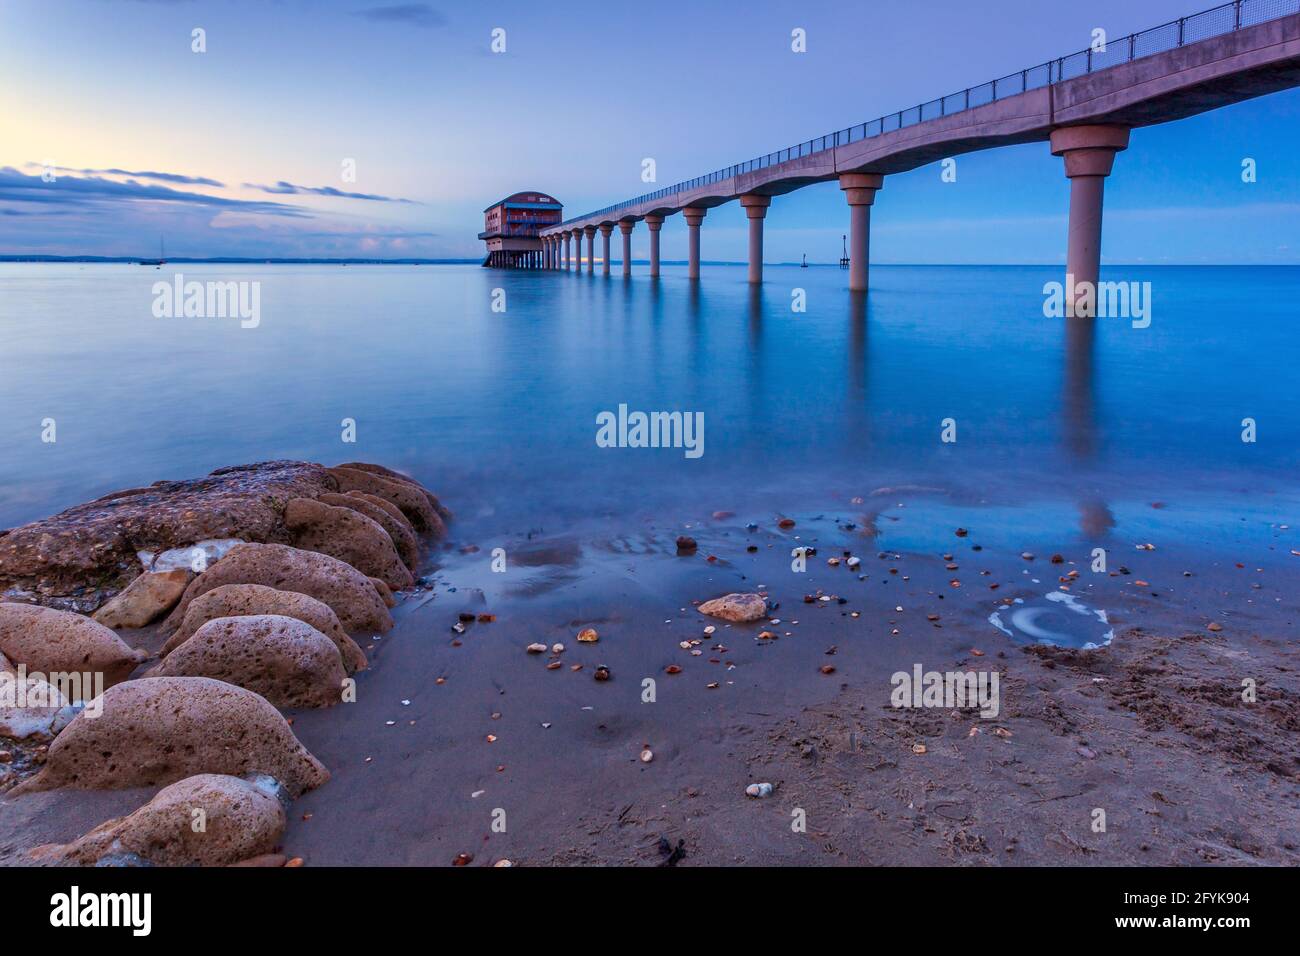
(588, 635)
(759, 790)
(502, 863)
(647, 755)
(557, 648)
(853, 562)
(601, 673)
(536, 648)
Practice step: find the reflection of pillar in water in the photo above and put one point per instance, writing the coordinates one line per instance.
(1079, 398)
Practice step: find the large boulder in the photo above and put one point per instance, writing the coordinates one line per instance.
(288, 662)
(235, 600)
(145, 599)
(51, 641)
(385, 514)
(240, 819)
(388, 473)
(346, 590)
(77, 556)
(411, 498)
(156, 731)
(349, 536)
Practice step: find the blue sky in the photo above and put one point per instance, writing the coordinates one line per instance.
(239, 150)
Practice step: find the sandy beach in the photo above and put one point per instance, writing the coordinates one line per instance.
(462, 745)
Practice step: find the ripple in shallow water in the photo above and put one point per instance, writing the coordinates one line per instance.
(1057, 618)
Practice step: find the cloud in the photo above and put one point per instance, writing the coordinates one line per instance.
(140, 174)
(283, 188)
(411, 14)
(90, 191)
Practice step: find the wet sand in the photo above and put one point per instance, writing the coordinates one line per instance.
(1150, 729)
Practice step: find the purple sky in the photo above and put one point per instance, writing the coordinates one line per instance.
(240, 150)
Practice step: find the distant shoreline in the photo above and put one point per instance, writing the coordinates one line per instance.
(238, 260)
(235, 260)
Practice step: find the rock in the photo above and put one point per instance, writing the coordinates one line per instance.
(194, 557)
(588, 635)
(349, 536)
(686, 544)
(345, 589)
(52, 641)
(94, 545)
(536, 648)
(394, 523)
(736, 607)
(411, 498)
(31, 707)
(759, 790)
(383, 472)
(384, 591)
(241, 819)
(236, 600)
(285, 660)
(163, 729)
(145, 599)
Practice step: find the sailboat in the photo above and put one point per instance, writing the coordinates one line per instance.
(162, 256)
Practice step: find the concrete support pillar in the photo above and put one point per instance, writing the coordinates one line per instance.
(694, 216)
(625, 228)
(1089, 153)
(860, 191)
(591, 249)
(568, 254)
(606, 229)
(654, 224)
(756, 210)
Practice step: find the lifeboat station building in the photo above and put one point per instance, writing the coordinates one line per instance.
(511, 226)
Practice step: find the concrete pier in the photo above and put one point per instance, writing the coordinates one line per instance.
(1089, 153)
(654, 224)
(860, 192)
(1205, 61)
(756, 209)
(625, 227)
(694, 216)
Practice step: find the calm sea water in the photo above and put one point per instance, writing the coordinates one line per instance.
(497, 410)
